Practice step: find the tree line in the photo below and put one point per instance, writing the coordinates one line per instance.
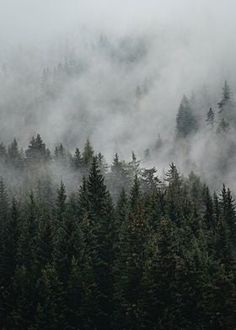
(126, 250)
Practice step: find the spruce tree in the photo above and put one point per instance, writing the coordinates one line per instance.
(99, 249)
(186, 123)
(87, 154)
(210, 120)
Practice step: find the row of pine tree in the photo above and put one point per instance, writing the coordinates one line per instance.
(126, 250)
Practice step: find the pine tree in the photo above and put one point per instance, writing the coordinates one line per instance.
(3, 153)
(8, 263)
(210, 120)
(87, 154)
(149, 181)
(102, 164)
(83, 200)
(61, 201)
(129, 263)
(37, 150)
(209, 211)
(134, 165)
(174, 194)
(4, 205)
(27, 235)
(135, 194)
(118, 178)
(60, 154)
(75, 295)
(77, 160)
(186, 123)
(14, 155)
(159, 279)
(100, 251)
(51, 310)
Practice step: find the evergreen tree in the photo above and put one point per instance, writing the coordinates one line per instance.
(8, 263)
(77, 160)
(87, 154)
(51, 309)
(118, 178)
(208, 212)
(135, 194)
(100, 252)
(60, 154)
(61, 201)
(210, 120)
(37, 150)
(14, 155)
(159, 281)
(186, 123)
(129, 263)
(134, 165)
(3, 153)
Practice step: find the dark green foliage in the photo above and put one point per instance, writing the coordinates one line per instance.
(159, 255)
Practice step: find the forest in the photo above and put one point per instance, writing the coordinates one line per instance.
(126, 249)
(117, 165)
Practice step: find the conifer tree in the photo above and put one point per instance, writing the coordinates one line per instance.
(99, 253)
(77, 160)
(87, 154)
(3, 153)
(61, 201)
(186, 123)
(210, 120)
(51, 309)
(8, 264)
(14, 155)
(209, 212)
(118, 178)
(37, 150)
(159, 277)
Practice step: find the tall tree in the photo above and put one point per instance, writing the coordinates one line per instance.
(186, 123)
(37, 150)
(88, 153)
(210, 120)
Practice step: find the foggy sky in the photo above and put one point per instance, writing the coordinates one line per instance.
(188, 45)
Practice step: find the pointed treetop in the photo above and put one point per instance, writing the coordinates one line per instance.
(210, 117)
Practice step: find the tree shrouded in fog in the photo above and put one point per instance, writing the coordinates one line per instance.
(119, 215)
(210, 118)
(152, 252)
(225, 97)
(186, 123)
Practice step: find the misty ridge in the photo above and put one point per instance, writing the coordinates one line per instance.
(113, 89)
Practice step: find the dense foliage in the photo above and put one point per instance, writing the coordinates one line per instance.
(149, 254)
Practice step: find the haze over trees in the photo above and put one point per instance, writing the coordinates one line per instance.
(125, 249)
(117, 165)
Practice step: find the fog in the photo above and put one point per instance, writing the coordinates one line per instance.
(116, 73)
